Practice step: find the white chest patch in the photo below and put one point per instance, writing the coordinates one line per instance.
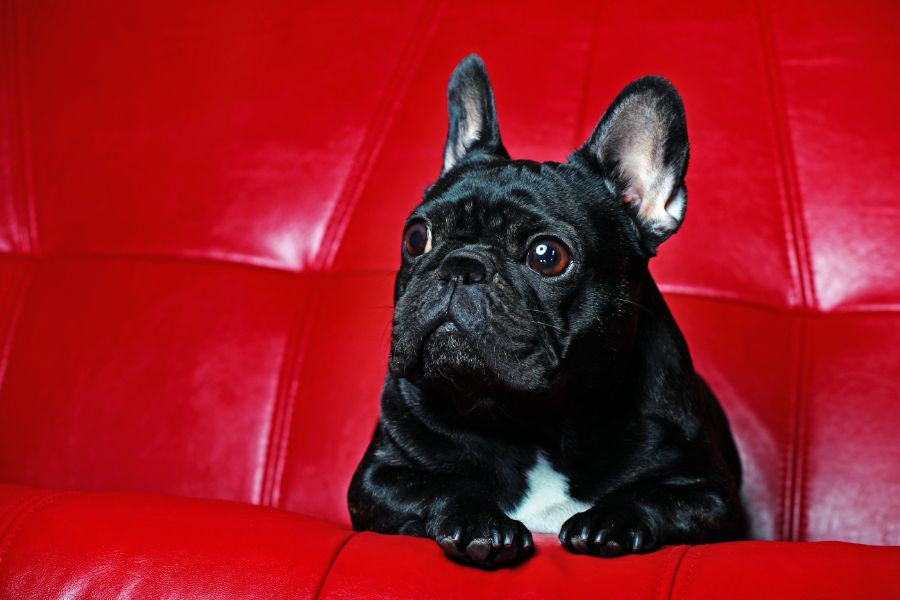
(547, 504)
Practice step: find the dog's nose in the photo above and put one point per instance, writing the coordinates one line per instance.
(464, 267)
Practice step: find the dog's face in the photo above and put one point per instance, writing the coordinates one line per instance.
(519, 278)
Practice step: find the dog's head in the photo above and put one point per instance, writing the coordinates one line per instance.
(519, 278)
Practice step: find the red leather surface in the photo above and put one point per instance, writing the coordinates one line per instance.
(96, 546)
(103, 413)
(70, 545)
(735, 570)
(200, 208)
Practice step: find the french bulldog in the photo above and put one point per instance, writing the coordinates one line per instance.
(537, 381)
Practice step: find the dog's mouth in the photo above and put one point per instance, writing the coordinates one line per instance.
(446, 327)
(449, 348)
(441, 332)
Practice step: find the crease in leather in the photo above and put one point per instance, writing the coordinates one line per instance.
(376, 132)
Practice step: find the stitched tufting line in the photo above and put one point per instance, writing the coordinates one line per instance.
(24, 221)
(798, 518)
(285, 399)
(268, 486)
(800, 265)
(278, 439)
(18, 292)
(26, 228)
(798, 246)
(583, 110)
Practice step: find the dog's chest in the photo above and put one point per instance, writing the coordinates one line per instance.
(546, 504)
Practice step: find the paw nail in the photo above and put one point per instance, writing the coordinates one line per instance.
(448, 546)
(637, 539)
(457, 535)
(478, 549)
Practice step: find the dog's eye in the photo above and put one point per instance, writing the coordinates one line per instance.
(548, 256)
(417, 239)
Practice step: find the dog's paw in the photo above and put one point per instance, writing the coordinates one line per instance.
(601, 531)
(485, 540)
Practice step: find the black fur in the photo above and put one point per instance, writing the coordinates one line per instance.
(493, 363)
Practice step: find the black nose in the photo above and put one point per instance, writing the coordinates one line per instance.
(464, 267)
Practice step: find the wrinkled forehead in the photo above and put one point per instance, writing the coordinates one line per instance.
(510, 200)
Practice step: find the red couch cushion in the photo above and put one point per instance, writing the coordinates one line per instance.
(98, 546)
(200, 211)
(70, 545)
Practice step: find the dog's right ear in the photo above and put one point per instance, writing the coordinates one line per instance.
(473, 129)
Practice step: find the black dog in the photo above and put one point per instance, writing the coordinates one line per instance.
(537, 380)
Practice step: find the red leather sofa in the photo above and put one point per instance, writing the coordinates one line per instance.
(200, 212)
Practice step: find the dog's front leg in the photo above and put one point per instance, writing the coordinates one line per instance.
(457, 512)
(650, 513)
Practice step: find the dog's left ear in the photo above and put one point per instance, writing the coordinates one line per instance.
(641, 148)
(473, 128)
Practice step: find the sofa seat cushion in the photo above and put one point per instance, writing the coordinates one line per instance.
(110, 545)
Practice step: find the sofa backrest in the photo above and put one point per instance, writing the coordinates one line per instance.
(200, 212)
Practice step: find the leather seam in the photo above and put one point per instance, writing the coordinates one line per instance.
(793, 469)
(377, 130)
(263, 495)
(216, 259)
(331, 564)
(11, 509)
(282, 406)
(792, 210)
(22, 287)
(688, 571)
(792, 459)
(675, 559)
(589, 69)
(247, 262)
(801, 454)
(10, 57)
(290, 400)
(785, 459)
(28, 237)
(24, 517)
